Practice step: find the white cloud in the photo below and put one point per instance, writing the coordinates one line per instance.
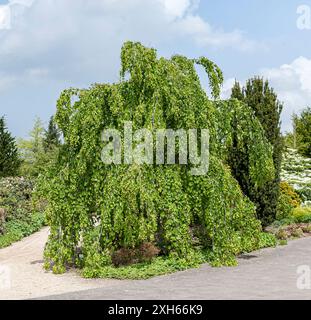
(5, 17)
(71, 38)
(291, 82)
(227, 88)
(26, 3)
(176, 8)
(294, 75)
(27, 76)
(6, 81)
(11, 11)
(37, 72)
(65, 43)
(207, 36)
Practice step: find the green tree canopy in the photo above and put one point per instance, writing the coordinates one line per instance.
(261, 98)
(302, 131)
(39, 150)
(9, 159)
(51, 136)
(97, 209)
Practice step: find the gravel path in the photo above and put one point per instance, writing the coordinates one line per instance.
(266, 274)
(28, 279)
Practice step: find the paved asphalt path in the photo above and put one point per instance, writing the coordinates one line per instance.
(266, 274)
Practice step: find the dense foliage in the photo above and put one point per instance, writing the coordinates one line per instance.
(9, 159)
(20, 213)
(262, 99)
(244, 146)
(40, 150)
(289, 191)
(288, 201)
(96, 210)
(51, 138)
(296, 170)
(302, 132)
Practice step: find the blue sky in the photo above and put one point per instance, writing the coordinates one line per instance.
(49, 45)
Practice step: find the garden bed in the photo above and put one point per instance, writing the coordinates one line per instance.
(20, 214)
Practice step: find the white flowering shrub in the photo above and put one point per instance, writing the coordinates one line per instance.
(296, 170)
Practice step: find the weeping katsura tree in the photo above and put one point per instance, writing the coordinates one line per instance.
(95, 209)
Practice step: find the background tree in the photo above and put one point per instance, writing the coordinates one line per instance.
(238, 158)
(32, 146)
(302, 131)
(237, 91)
(51, 136)
(37, 151)
(9, 159)
(262, 99)
(289, 140)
